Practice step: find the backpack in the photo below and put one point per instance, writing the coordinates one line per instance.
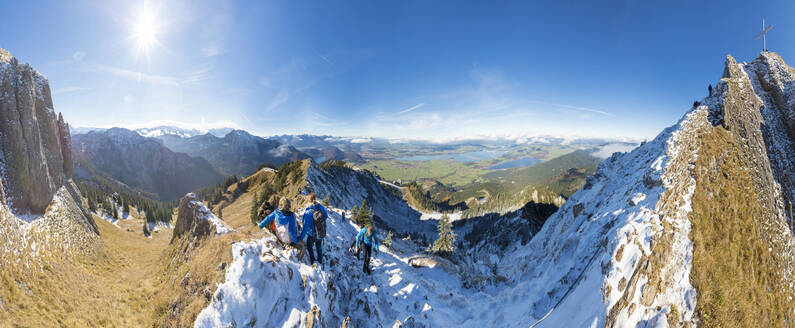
(320, 224)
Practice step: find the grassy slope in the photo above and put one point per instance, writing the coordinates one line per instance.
(734, 273)
(130, 280)
(110, 287)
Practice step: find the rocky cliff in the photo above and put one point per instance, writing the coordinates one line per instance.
(33, 165)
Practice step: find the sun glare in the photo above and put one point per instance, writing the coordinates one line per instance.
(145, 31)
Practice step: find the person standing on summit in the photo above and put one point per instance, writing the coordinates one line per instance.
(285, 226)
(314, 229)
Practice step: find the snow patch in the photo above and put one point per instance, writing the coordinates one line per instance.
(205, 214)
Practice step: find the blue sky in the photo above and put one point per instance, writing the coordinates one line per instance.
(402, 69)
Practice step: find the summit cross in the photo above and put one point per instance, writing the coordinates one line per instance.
(763, 35)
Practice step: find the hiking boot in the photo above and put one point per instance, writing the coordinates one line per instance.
(300, 254)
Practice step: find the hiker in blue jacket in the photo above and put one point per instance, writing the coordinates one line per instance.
(367, 241)
(314, 229)
(315, 205)
(284, 226)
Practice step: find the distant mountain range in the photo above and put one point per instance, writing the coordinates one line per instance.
(238, 152)
(226, 151)
(125, 156)
(165, 130)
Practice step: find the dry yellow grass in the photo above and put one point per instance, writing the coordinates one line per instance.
(179, 300)
(111, 287)
(134, 281)
(733, 271)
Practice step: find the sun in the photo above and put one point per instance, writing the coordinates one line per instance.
(145, 30)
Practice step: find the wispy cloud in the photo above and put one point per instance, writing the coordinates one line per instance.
(265, 82)
(211, 51)
(284, 94)
(202, 125)
(68, 89)
(577, 108)
(192, 78)
(196, 76)
(318, 119)
(134, 75)
(282, 97)
(78, 56)
(411, 109)
(325, 59)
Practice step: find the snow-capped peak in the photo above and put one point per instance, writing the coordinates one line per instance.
(164, 130)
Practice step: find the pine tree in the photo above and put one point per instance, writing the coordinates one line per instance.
(388, 240)
(446, 242)
(363, 216)
(92, 204)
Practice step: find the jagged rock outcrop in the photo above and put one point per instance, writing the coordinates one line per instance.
(762, 118)
(32, 158)
(196, 220)
(65, 137)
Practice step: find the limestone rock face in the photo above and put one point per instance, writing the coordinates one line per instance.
(191, 219)
(32, 158)
(66, 146)
(756, 102)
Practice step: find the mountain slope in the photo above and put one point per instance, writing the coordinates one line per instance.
(139, 162)
(334, 154)
(346, 187)
(564, 174)
(690, 228)
(237, 153)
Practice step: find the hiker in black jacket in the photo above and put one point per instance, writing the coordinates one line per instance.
(314, 229)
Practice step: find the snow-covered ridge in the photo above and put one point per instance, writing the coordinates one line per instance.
(574, 272)
(267, 286)
(347, 187)
(165, 130)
